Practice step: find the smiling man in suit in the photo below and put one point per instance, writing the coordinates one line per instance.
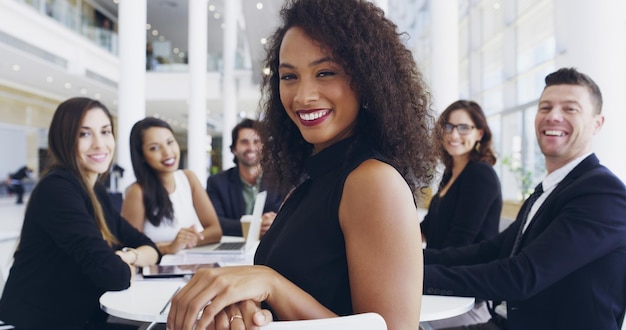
(233, 191)
(562, 263)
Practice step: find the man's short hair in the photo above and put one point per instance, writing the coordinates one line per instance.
(571, 76)
(245, 123)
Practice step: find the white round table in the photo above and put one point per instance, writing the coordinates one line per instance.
(443, 307)
(145, 300)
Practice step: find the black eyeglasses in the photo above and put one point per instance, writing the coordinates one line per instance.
(463, 129)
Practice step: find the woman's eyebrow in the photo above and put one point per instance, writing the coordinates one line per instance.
(314, 63)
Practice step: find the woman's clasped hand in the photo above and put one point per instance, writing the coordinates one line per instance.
(187, 238)
(223, 298)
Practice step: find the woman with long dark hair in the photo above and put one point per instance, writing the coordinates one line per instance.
(74, 246)
(166, 203)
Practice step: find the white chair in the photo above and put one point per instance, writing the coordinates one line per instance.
(5, 326)
(365, 321)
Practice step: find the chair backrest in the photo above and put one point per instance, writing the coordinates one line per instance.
(509, 213)
(365, 321)
(5, 326)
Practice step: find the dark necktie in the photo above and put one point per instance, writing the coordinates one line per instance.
(525, 211)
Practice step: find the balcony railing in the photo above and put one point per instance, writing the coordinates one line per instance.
(71, 14)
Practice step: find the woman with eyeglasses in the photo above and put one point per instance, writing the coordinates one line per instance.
(466, 208)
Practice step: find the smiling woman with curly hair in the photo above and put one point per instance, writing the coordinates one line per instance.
(395, 117)
(346, 125)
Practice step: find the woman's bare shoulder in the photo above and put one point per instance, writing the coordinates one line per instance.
(374, 173)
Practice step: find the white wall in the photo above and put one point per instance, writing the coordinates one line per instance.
(13, 149)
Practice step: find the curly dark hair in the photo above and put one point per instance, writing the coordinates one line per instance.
(395, 116)
(484, 153)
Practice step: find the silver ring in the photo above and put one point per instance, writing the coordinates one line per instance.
(232, 318)
(202, 311)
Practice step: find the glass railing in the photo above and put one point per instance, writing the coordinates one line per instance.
(106, 39)
(174, 64)
(69, 15)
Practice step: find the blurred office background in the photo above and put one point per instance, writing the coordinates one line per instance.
(197, 64)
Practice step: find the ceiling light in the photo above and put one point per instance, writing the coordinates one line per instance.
(181, 54)
(263, 41)
(175, 50)
(68, 85)
(83, 91)
(49, 79)
(266, 71)
(217, 15)
(496, 5)
(16, 67)
(116, 1)
(96, 96)
(161, 38)
(211, 8)
(148, 26)
(155, 32)
(223, 26)
(259, 5)
(156, 115)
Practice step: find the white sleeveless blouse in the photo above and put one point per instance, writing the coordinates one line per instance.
(184, 213)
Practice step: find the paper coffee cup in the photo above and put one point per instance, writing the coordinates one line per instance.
(246, 220)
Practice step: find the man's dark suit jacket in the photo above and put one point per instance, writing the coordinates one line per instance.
(226, 193)
(571, 270)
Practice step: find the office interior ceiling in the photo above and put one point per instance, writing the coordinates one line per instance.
(170, 17)
(32, 74)
(56, 83)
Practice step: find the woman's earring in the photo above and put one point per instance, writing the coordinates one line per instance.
(364, 104)
(477, 146)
